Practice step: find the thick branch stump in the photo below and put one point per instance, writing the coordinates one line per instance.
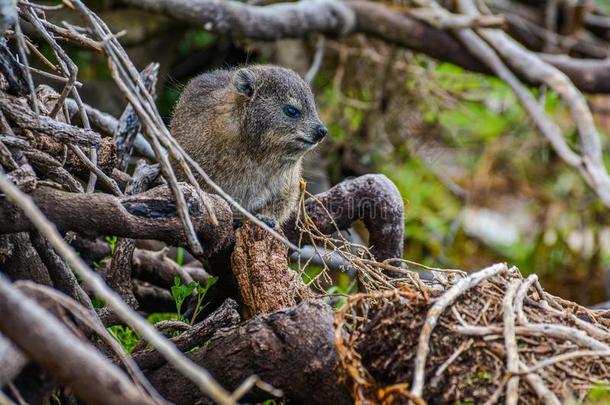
(292, 349)
(260, 265)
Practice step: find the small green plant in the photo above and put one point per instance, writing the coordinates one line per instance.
(98, 303)
(112, 241)
(485, 376)
(345, 286)
(180, 292)
(125, 336)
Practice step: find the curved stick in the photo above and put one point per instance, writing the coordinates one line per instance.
(372, 198)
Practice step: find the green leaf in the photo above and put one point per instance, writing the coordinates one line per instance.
(180, 292)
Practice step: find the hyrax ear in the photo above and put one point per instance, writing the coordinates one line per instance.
(244, 81)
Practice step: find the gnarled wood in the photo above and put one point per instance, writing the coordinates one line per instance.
(21, 115)
(372, 198)
(292, 349)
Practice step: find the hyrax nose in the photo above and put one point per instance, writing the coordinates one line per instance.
(320, 132)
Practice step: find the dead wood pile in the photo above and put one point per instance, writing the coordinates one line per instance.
(492, 335)
(64, 184)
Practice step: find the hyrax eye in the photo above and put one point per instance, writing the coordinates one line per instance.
(292, 111)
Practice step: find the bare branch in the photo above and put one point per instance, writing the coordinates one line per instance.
(149, 215)
(49, 343)
(510, 341)
(334, 18)
(26, 118)
(240, 20)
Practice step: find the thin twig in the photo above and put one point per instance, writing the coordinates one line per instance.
(439, 371)
(253, 381)
(564, 357)
(521, 294)
(317, 60)
(510, 341)
(543, 392)
(28, 76)
(540, 329)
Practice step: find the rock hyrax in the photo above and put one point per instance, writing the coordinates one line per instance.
(249, 129)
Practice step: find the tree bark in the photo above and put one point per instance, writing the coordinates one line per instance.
(260, 266)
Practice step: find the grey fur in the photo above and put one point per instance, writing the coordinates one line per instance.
(232, 122)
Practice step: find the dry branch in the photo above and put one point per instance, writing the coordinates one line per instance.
(63, 278)
(297, 20)
(12, 71)
(129, 126)
(149, 215)
(49, 343)
(119, 274)
(22, 116)
(510, 341)
(239, 20)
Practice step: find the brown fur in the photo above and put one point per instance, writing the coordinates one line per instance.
(234, 124)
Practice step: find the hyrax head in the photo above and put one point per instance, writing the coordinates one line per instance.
(278, 112)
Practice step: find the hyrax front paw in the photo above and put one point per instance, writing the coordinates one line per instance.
(268, 221)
